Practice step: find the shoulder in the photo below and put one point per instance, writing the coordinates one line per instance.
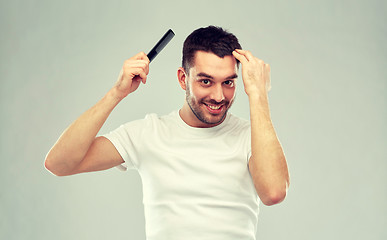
(156, 119)
(236, 127)
(150, 121)
(238, 123)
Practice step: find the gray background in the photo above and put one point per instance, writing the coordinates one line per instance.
(328, 103)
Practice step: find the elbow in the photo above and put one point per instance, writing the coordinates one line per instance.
(50, 166)
(274, 197)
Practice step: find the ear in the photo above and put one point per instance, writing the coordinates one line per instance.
(182, 77)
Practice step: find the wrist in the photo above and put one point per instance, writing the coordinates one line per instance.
(257, 97)
(114, 96)
(259, 102)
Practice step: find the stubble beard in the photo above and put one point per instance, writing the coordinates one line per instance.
(196, 109)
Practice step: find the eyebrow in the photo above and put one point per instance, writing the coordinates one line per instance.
(202, 74)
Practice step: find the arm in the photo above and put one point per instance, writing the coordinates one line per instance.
(77, 149)
(267, 164)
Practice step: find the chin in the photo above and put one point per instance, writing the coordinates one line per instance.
(212, 119)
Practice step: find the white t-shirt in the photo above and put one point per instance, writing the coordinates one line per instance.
(196, 182)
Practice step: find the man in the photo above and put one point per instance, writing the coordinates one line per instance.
(203, 170)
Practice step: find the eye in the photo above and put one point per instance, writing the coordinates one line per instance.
(205, 81)
(229, 83)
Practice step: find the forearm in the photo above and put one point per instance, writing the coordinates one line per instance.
(75, 141)
(267, 165)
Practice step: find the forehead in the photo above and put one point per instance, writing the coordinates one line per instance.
(207, 62)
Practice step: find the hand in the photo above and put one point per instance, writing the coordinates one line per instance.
(255, 73)
(133, 72)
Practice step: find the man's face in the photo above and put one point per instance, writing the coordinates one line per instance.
(211, 87)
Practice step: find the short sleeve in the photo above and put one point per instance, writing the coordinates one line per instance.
(248, 143)
(125, 139)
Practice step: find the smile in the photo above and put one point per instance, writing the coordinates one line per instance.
(214, 107)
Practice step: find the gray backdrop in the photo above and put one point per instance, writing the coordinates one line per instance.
(328, 103)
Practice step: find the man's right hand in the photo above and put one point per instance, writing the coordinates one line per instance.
(133, 72)
(78, 149)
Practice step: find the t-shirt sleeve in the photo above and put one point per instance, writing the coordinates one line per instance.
(126, 139)
(248, 143)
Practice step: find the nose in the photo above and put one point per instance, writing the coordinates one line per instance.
(217, 93)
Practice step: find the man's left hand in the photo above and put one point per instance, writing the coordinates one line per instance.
(255, 73)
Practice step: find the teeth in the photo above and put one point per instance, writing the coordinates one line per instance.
(214, 107)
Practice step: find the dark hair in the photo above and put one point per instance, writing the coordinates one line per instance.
(209, 39)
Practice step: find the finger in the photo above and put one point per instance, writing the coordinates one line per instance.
(130, 63)
(139, 64)
(135, 66)
(139, 73)
(143, 77)
(141, 56)
(267, 68)
(240, 57)
(132, 72)
(245, 53)
(136, 62)
(144, 64)
(147, 68)
(145, 57)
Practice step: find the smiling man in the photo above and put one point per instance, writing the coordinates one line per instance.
(203, 169)
(210, 89)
